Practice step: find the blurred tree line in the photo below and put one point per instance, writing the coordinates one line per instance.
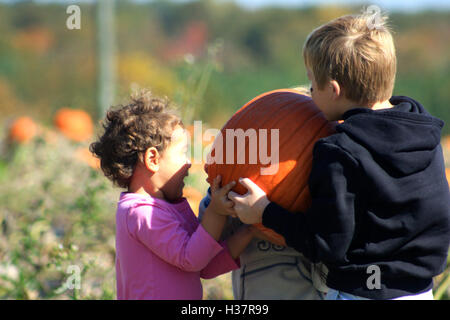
(207, 56)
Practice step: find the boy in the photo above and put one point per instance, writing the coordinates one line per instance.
(379, 218)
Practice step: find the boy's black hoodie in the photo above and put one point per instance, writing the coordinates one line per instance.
(379, 197)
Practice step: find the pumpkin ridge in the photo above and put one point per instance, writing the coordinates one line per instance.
(298, 128)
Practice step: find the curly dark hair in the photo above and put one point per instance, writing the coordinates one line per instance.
(147, 121)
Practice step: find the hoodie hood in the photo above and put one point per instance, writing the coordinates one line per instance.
(403, 139)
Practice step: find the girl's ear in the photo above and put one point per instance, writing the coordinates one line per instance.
(336, 89)
(152, 159)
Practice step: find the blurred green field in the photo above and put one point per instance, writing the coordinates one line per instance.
(56, 211)
(211, 56)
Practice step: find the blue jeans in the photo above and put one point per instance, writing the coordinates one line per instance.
(339, 295)
(333, 294)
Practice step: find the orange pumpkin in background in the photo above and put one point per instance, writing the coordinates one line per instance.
(299, 123)
(74, 123)
(22, 130)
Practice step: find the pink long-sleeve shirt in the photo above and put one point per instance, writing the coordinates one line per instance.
(162, 250)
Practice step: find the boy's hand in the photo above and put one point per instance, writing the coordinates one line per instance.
(249, 207)
(220, 203)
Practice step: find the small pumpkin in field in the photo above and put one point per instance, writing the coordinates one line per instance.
(23, 129)
(75, 124)
(283, 123)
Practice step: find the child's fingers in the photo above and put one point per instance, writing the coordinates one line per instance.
(248, 184)
(216, 184)
(235, 197)
(229, 204)
(228, 187)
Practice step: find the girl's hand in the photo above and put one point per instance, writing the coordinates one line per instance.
(220, 203)
(249, 207)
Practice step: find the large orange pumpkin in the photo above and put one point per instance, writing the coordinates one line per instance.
(23, 130)
(299, 123)
(74, 123)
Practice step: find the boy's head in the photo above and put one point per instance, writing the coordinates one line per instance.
(144, 141)
(351, 59)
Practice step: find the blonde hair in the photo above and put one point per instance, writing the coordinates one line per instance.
(355, 52)
(305, 90)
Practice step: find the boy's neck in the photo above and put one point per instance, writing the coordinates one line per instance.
(381, 105)
(375, 106)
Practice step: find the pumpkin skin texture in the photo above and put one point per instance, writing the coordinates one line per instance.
(300, 124)
(74, 123)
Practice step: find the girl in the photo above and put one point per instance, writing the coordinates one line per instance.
(162, 250)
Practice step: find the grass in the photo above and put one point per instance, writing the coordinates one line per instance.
(58, 215)
(57, 219)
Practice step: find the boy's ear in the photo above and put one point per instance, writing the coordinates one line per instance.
(336, 89)
(151, 159)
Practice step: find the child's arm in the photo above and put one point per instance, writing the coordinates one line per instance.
(166, 236)
(238, 241)
(214, 217)
(228, 259)
(213, 223)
